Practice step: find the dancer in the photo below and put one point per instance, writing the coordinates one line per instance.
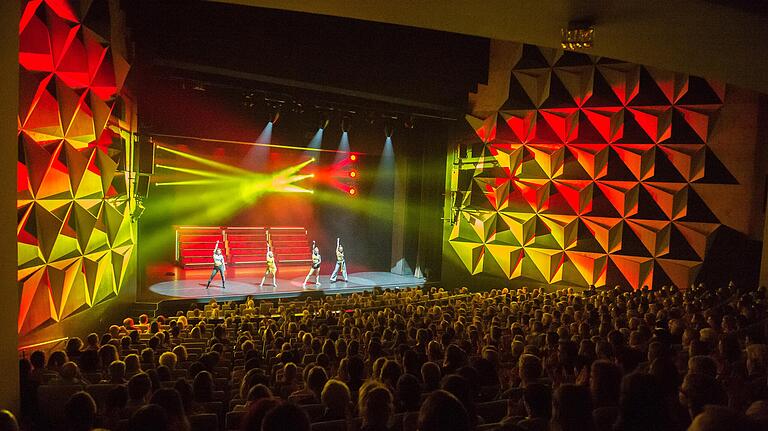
(316, 260)
(340, 263)
(271, 267)
(218, 266)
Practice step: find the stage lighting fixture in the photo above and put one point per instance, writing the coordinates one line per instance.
(409, 122)
(352, 174)
(352, 191)
(577, 35)
(346, 124)
(324, 121)
(389, 130)
(353, 157)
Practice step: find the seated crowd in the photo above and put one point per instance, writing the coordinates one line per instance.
(410, 360)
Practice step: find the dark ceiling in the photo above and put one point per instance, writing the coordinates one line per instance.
(411, 65)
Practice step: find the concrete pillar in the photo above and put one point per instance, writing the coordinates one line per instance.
(9, 101)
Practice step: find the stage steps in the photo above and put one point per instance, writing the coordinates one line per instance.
(243, 246)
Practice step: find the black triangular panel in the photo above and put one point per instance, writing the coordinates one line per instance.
(559, 97)
(544, 133)
(633, 133)
(699, 93)
(715, 171)
(617, 170)
(531, 58)
(602, 94)
(647, 209)
(664, 171)
(586, 241)
(570, 58)
(97, 19)
(679, 248)
(631, 244)
(649, 93)
(660, 278)
(682, 132)
(601, 206)
(518, 98)
(588, 134)
(697, 210)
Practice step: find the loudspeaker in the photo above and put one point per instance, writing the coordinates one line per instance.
(142, 186)
(116, 152)
(146, 158)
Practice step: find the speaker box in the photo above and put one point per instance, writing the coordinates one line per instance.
(146, 157)
(142, 186)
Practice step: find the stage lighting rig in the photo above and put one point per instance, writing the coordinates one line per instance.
(346, 124)
(578, 35)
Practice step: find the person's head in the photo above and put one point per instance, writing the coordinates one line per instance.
(150, 417)
(408, 392)
(530, 368)
(642, 404)
(8, 421)
(537, 398)
(605, 383)
(80, 412)
(757, 359)
(117, 372)
(258, 392)
(116, 399)
(390, 373)
(336, 396)
(431, 375)
(702, 364)
(202, 387)
(37, 358)
(572, 408)
(170, 400)
(139, 387)
(168, 359)
(69, 371)
(375, 405)
(699, 390)
(56, 360)
(720, 418)
(181, 353)
(286, 416)
(316, 379)
(442, 411)
(218, 251)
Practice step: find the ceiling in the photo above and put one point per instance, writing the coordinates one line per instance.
(719, 39)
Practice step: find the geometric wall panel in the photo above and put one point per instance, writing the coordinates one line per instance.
(74, 231)
(587, 175)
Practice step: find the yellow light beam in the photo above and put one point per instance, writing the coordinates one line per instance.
(205, 161)
(253, 144)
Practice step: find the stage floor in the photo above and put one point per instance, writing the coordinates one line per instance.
(244, 285)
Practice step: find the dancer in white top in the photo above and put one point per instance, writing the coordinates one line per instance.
(219, 265)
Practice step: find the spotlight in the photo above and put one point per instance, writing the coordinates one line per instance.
(352, 191)
(409, 122)
(274, 116)
(323, 122)
(352, 174)
(353, 157)
(346, 123)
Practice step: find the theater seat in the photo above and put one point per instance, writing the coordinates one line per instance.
(233, 420)
(51, 399)
(99, 393)
(204, 422)
(492, 411)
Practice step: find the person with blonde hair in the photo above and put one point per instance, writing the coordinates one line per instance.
(336, 400)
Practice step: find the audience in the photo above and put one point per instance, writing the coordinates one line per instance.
(414, 360)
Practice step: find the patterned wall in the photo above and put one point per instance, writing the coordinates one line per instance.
(75, 236)
(584, 175)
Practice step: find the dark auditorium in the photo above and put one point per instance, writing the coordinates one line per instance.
(370, 215)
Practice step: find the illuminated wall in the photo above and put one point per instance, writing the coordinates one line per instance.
(593, 171)
(75, 237)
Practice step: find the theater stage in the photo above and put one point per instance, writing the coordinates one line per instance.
(191, 284)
